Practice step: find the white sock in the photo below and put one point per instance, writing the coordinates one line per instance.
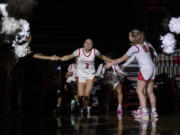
(153, 124)
(120, 106)
(153, 109)
(145, 110)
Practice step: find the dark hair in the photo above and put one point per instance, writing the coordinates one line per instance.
(89, 39)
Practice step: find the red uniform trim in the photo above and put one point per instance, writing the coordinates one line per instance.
(79, 52)
(85, 54)
(75, 66)
(137, 48)
(76, 79)
(140, 76)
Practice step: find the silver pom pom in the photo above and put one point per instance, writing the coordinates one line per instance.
(24, 32)
(21, 36)
(168, 43)
(21, 50)
(9, 25)
(174, 25)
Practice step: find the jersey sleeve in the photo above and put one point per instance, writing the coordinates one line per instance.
(76, 52)
(132, 50)
(131, 59)
(97, 52)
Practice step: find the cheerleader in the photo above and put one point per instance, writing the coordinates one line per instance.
(85, 69)
(130, 60)
(147, 72)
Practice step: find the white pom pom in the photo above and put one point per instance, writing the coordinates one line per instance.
(21, 50)
(168, 43)
(24, 32)
(25, 28)
(24, 24)
(174, 25)
(9, 25)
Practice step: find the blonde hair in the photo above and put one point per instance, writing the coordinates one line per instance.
(138, 37)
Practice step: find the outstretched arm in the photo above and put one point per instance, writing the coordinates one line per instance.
(44, 57)
(127, 55)
(67, 57)
(117, 61)
(105, 58)
(131, 59)
(121, 59)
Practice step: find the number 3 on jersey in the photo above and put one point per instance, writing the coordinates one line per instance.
(87, 65)
(145, 48)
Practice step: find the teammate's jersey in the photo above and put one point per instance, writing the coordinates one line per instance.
(72, 68)
(86, 61)
(142, 55)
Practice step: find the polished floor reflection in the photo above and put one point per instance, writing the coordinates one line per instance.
(109, 124)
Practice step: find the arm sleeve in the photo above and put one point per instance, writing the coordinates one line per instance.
(132, 50)
(131, 59)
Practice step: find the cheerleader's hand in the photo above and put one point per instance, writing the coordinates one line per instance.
(60, 58)
(108, 65)
(54, 58)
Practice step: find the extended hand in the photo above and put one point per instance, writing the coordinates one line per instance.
(108, 65)
(54, 58)
(60, 58)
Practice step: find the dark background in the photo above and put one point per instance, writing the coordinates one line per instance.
(60, 26)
